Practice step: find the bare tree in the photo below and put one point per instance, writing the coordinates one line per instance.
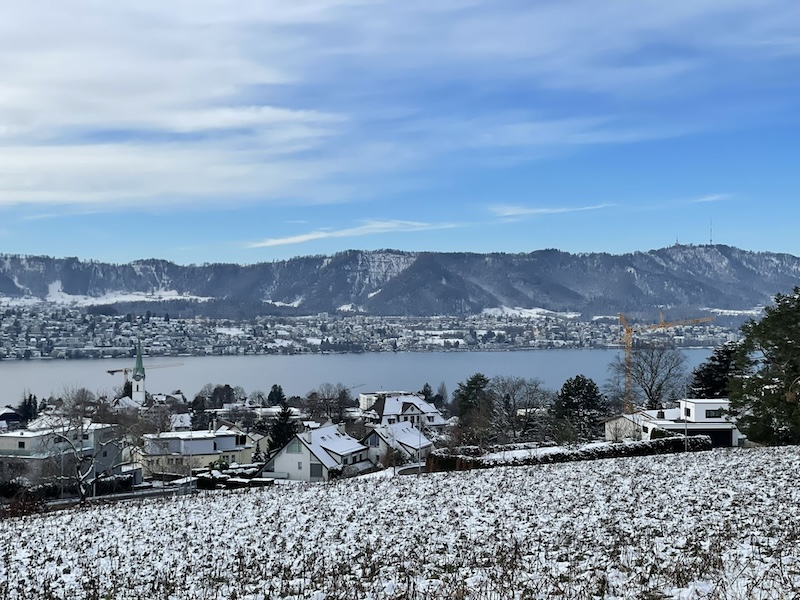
(85, 448)
(334, 397)
(258, 397)
(518, 401)
(657, 373)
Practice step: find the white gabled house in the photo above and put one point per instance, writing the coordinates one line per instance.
(312, 455)
(394, 407)
(403, 437)
(692, 417)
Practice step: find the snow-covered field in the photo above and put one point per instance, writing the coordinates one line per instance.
(720, 524)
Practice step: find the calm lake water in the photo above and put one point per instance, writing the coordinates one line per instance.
(300, 374)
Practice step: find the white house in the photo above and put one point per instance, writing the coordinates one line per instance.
(177, 452)
(404, 408)
(51, 443)
(403, 437)
(692, 417)
(310, 455)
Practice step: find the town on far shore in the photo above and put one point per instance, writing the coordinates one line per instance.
(46, 331)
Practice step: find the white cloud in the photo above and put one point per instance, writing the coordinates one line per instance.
(272, 101)
(712, 198)
(511, 211)
(368, 228)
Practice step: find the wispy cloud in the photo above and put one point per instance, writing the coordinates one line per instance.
(511, 211)
(368, 228)
(712, 198)
(167, 102)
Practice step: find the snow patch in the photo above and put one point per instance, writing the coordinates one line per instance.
(724, 312)
(527, 313)
(57, 295)
(293, 304)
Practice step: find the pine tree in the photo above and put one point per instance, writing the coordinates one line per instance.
(580, 403)
(282, 429)
(764, 392)
(276, 396)
(473, 403)
(711, 378)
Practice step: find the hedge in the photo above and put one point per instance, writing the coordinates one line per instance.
(446, 460)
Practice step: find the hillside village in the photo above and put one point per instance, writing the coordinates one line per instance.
(44, 331)
(82, 445)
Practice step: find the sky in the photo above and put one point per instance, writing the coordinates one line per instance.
(257, 130)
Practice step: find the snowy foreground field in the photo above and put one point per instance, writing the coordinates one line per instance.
(720, 524)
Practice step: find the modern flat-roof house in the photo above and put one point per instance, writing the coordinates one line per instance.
(692, 417)
(52, 443)
(312, 455)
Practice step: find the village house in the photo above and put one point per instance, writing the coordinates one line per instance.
(174, 453)
(402, 437)
(401, 407)
(313, 455)
(52, 444)
(692, 417)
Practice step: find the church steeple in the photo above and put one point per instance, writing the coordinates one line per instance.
(137, 385)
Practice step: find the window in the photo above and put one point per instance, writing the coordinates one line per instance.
(85, 436)
(430, 419)
(105, 452)
(645, 429)
(373, 440)
(299, 466)
(293, 447)
(713, 413)
(21, 445)
(316, 470)
(687, 411)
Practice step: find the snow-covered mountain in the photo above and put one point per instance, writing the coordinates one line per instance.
(389, 282)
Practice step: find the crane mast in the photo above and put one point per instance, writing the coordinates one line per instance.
(628, 331)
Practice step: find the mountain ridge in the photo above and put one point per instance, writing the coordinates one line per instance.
(394, 282)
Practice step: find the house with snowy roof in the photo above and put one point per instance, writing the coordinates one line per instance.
(692, 417)
(403, 437)
(394, 407)
(9, 419)
(313, 455)
(178, 452)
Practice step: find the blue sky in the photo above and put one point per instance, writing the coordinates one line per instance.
(208, 131)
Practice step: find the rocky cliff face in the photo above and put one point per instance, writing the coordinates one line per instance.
(402, 283)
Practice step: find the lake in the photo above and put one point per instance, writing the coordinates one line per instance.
(302, 373)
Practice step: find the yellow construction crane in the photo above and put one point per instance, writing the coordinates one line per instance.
(628, 332)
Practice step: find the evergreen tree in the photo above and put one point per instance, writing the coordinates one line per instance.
(580, 403)
(282, 429)
(711, 378)
(276, 396)
(200, 418)
(473, 403)
(28, 408)
(427, 392)
(764, 391)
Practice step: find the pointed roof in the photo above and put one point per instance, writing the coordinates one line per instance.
(138, 368)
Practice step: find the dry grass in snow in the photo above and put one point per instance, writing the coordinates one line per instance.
(720, 524)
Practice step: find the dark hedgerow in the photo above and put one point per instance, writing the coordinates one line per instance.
(448, 460)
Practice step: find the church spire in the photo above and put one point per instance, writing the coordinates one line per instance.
(137, 385)
(138, 368)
